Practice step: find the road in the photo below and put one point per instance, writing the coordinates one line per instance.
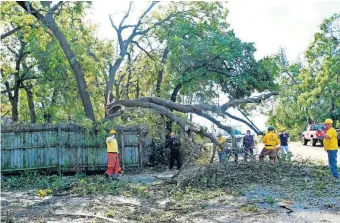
(315, 153)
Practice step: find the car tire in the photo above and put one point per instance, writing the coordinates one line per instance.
(313, 142)
(304, 141)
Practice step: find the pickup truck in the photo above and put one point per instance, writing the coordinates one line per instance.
(313, 135)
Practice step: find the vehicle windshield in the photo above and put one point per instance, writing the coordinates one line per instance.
(316, 127)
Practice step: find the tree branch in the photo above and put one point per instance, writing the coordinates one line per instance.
(160, 72)
(256, 99)
(3, 36)
(155, 25)
(196, 109)
(108, 117)
(12, 51)
(291, 77)
(142, 16)
(258, 132)
(126, 15)
(56, 6)
(141, 48)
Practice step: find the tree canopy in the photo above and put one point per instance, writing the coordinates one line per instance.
(175, 56)
(310, 90)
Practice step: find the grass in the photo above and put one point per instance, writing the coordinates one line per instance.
(250, 208)
(79, 185)
(270, 199)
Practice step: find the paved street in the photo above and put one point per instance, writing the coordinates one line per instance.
(316, 153)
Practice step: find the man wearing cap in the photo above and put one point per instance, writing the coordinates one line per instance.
(112, 156)
(330, 144)
(174, 144)
(284, 138)
(271, 141)
(221, 154)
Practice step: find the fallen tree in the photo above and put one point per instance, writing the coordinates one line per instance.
(165, 107)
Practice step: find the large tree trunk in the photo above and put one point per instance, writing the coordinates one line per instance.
(47, 115)
(160, 72)
(137, 87)
(49, 22)
(112, 73)
(14, 102)
(173, 98)
(30, 102)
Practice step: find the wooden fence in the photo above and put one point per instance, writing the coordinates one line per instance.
(62, 147)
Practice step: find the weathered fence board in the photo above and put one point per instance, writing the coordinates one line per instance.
(64, 147)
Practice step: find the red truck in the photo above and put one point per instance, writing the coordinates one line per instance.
(313, 135)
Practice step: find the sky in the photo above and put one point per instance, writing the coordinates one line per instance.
(270, 24)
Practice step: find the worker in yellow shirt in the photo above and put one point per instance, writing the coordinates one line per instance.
(271, 142)
(112, 156)
(331, 146)
(221, 154)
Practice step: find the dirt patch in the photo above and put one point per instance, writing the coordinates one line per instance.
(192, 206)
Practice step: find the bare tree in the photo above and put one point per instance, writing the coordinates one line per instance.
(138, 30)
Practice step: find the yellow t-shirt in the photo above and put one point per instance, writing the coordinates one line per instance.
(332, 142)
(220, 140)
(112, 145)
(270, 140)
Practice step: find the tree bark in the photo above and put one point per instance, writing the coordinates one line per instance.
(198, 109)
(160, 72)
(14, 102)
(173, 98)
(137, 87)
(175, 92)
(30, 102)
(112, 73)
(129, 77)
(50, 23)
(13, 99)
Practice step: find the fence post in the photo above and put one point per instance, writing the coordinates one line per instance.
(140, 145)
(59, 148)
(123, 148)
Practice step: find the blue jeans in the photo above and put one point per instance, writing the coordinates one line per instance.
(332, 156)
(221, 157)
(284, 149)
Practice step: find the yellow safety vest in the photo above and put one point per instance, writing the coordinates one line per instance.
(112, 145)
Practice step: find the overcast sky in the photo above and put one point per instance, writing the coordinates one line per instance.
(270, 24)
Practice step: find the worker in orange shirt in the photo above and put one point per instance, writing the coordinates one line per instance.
(113, 167)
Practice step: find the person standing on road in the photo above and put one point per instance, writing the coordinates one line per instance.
(271, 141)
(113, 167)
(331, 146)
(221, 153)
(174, 144)
(284, 138)
(248, 143)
